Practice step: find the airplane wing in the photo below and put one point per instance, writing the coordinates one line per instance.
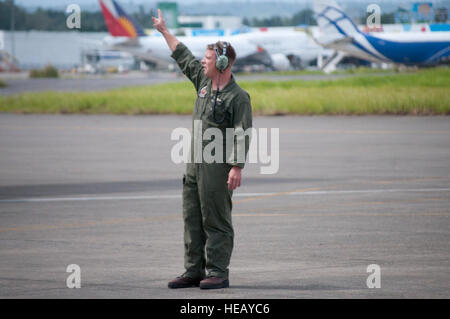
(130, 42)
(93, 42)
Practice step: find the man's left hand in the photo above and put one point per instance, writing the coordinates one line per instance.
(234, 178)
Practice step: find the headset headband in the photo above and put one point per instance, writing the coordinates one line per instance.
(224, 50)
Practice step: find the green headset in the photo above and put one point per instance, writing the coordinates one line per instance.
(221, 59)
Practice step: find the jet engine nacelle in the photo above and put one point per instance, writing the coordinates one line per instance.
(280, 62)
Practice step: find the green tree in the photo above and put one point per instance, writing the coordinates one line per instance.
(304, 17)
(47, 19)
(388, 18)
(441, 15)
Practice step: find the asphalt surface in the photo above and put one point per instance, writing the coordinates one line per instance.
(102, 192)
(21, 83)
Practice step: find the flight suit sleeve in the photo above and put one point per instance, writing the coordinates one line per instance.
(242, 119)
(189, 65)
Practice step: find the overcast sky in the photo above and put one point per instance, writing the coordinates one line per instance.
(50, 3)
(242, 8)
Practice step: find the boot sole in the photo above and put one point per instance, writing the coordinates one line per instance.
(182, 286)
(224, 284)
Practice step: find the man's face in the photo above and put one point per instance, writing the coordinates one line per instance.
(209, 64)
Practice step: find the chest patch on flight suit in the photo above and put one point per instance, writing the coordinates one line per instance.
(219, 101)
(202, 92)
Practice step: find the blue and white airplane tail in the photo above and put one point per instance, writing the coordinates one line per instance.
(332, 19)
(339, 32)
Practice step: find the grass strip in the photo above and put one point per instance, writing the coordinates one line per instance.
(424, 92)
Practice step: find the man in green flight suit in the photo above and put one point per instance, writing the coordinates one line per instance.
(208, 186)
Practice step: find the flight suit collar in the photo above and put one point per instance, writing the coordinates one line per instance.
(227, 87)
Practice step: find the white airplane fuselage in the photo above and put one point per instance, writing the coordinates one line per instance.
(286, 43)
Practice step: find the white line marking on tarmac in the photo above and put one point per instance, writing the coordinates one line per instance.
(156, 197)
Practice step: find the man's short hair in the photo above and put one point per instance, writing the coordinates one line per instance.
(231, 54)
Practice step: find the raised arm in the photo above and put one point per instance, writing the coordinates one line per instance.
(188, 64)
(160, 25)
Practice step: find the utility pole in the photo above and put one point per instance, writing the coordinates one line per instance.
(13, 50)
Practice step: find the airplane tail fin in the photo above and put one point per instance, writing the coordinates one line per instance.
(332, 19)
(118, 22)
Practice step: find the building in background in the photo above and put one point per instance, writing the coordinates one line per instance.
(422, 12)
(170, 13)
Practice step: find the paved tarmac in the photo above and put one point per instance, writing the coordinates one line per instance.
(20, 83)
(102, 192)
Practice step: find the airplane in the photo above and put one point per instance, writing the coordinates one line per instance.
(270, 48)
(126, 35)
(338, 32)
(289, 47)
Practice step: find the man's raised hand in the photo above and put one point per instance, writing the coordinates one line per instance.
(160, 25)
(159, 22)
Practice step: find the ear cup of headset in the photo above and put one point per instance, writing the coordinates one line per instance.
(222, 62)
(222, 59)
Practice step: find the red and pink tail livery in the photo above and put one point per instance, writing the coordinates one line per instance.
(118, 22)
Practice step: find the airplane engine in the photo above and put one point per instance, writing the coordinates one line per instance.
(295, 61)
(280, 62)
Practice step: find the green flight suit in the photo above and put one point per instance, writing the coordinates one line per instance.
(206, 198)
